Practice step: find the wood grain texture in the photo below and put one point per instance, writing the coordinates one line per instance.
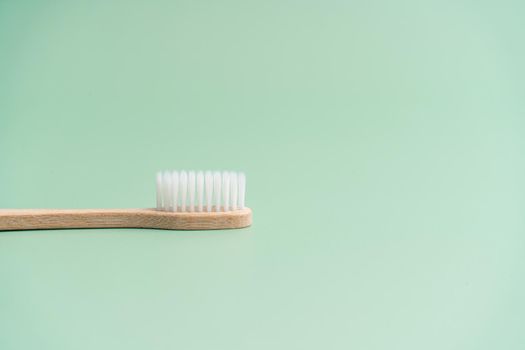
(35, 219)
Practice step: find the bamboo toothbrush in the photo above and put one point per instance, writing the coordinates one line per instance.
(185, 201)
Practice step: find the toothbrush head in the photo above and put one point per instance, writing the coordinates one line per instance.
(212, 196)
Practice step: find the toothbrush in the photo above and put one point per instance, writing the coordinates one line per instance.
(186, 200)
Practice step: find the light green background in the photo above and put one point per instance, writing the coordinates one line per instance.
(383, 144)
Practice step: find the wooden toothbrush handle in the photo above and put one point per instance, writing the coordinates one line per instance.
(35, 219)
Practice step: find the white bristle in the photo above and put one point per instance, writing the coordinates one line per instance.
(226, 190)
(217, 189)
(242, 189)
(234, 188)
(208, 183)
(159, 191)
(191, 190)
(175, 190)
(167, 191)
(200, 190)
(183, 182)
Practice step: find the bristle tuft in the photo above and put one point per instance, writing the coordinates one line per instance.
(217, 185)
(183, 182)
(200, 190)
(208, 182)
(242, 190)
